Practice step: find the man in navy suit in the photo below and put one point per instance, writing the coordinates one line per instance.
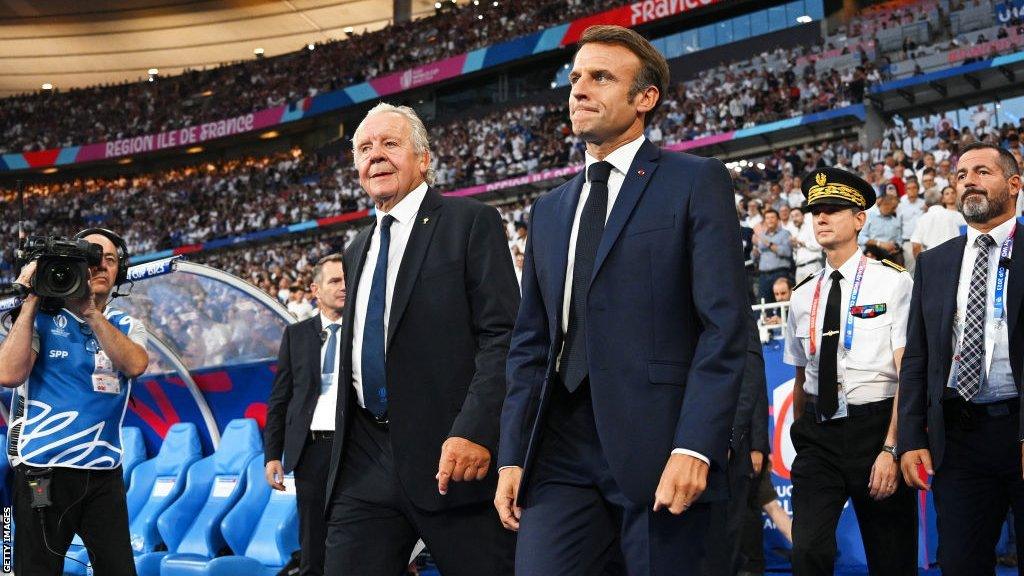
(959, 398)
(629, 348)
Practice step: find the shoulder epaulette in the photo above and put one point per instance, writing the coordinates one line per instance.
(893, 265)
(804, 281)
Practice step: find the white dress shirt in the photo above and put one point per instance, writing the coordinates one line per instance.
(404, 214)
(936, 226)
(620, 159)
(323, 414)
(997, 344)
(868, 370)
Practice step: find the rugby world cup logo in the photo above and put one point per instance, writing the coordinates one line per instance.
(60, 321)
(406, 79)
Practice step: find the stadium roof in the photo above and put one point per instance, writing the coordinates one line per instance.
(70, 43)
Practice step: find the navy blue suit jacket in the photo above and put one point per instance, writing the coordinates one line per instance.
(928, 356)
(666, 322)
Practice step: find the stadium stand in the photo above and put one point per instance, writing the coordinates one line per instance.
(54, 119)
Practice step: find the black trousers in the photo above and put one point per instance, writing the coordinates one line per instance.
(310, 494)
(725, 530)
(90, 503)
(372, 526)
(832, 464)
(577, 522)
(978, 481)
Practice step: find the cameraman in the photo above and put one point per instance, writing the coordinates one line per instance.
(73, 372)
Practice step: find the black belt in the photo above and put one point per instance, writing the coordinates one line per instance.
(856, 410)
(316, 435)
(966, 413)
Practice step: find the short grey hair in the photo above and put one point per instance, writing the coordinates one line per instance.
(318, 270)
(420, 138)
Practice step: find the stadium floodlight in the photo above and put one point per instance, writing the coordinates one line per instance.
(50, 171)
(348, 30)
(495, 3)
(47, 86)
(479, 16)
(124, 161)
(476, 2)
(153, 71)
(258, 52)
(437, 5)
(554, 84)
(760, 165)
(269, 134)
(194, 150)
(310, 46)
(805, 19)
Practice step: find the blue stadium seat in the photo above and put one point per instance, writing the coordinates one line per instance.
(134, 452)
(263, 525)
(191, 526)
(153, 486)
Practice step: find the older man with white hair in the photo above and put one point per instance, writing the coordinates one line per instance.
(432, 301)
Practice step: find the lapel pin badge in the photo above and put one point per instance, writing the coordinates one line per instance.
(425, 220)
(640, 172)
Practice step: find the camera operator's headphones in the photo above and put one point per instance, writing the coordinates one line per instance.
(119, 244)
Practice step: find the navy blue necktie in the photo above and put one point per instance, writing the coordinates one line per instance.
(374, 379)
(330, 358)
(573, 368)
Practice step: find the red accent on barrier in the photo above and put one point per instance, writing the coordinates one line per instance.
(42, 158)
(159, 422)
(213, 381)
(190, 248)
(346, 217)
(258, 412)
(778, 466)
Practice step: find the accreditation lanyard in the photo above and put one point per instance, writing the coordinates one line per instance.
(848, 331)
(999, 300)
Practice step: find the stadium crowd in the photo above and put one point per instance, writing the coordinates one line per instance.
(52, 119)
(209, 200)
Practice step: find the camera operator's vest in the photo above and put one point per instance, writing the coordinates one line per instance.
(69, 412)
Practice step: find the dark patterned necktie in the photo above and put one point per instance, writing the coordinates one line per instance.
(970, 371)
(573, 368)
(373, 369)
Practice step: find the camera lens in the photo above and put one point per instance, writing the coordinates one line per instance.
(60, 278)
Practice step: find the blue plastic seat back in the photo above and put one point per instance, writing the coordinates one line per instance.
(277, 534)
(264, 523)
(240, 523)
(133, 452)
(157, 483)
(192, 524)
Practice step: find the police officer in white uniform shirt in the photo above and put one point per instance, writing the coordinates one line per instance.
(846, 332)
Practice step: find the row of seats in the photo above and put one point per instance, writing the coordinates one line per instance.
(190, 515)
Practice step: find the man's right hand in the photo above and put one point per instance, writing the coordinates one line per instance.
(274, 473)
(505, 497)
(27, 273)
(909, 463)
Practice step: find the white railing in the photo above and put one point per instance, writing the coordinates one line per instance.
(767, 328)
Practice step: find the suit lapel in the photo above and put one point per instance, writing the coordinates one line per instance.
(632, 189)
(314, 330)
(1015, 290)
(559, 255)
(952, 279)
(419, 240)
